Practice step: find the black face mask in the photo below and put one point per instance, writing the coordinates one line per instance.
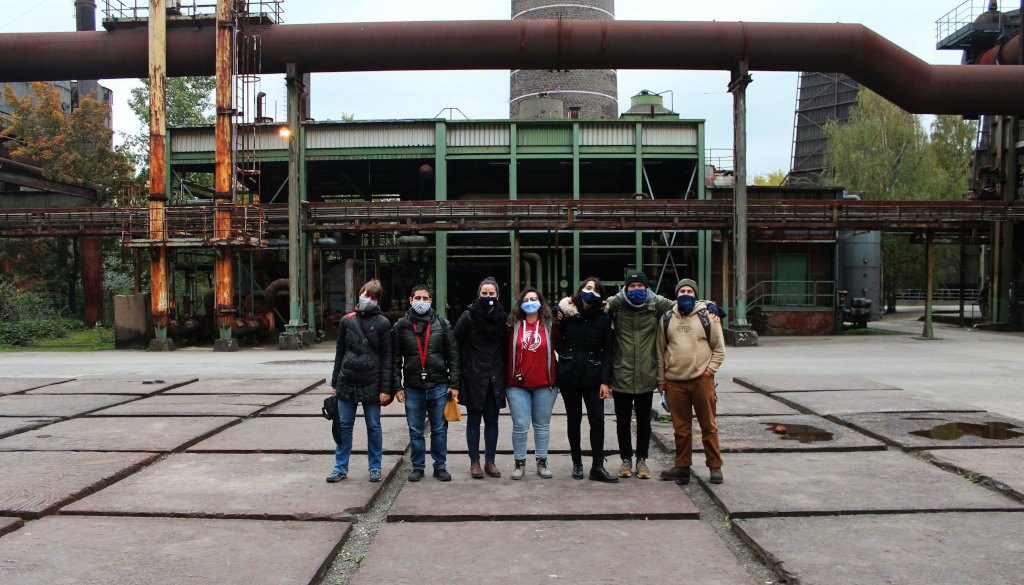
(686, 303)
(485, 303)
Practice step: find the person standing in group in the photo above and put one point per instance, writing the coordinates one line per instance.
(691, 348)
(636, 312)
(362, 373)
(482, 339)
(585, 344)
(531, 378)
(426, 373)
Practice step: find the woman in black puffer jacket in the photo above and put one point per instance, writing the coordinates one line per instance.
(585, 347)
(362, 373)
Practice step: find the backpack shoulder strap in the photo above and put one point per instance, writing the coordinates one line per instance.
(706, 322)
(665, 320)
(355, 323)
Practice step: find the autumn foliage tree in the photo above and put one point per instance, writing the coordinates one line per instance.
(71, 148)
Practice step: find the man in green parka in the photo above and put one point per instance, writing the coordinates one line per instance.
(636, 312)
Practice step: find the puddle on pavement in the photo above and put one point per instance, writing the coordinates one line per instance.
(802, 433)
(996, 431)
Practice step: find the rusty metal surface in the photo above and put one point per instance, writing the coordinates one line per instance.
(159, 271)
(223, 187)
(92, 279)
(542, 44)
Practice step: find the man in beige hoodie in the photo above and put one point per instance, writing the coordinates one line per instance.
(688, 358)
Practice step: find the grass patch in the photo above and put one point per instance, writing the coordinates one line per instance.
(871, 331)
(82, 340)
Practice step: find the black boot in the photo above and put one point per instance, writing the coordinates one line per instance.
(598, 473)
(577, 470)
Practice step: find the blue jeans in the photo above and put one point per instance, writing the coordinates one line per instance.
(420, 404)
(531, 405)
(374, 436)
(489, 414)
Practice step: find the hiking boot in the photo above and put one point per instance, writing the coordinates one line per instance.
(624, 469)
(598, 473)
(641, 469)
(680, 475)
(577, 471)
(491, 469)
(442, 474)
(716, 475)
(416, 475)
(475, 471)
(520, 469)
(542, 468)
(375, 475)
(336, 476)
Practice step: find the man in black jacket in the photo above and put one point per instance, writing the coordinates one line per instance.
(426, 373)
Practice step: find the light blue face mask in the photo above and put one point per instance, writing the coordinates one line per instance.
(531, 307)
(366, 304)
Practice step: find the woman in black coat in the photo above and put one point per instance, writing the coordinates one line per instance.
(481, 336)
(585, 347)
(362, 373)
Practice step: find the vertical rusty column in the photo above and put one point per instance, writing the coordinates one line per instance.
(738, 87)
(222, 179)
(92, 279)
(158, 270)
(929, 282)
(293, 81)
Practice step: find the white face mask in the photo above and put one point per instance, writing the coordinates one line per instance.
(366, 304)
(421, 307)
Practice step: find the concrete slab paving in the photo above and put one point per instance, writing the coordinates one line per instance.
(726, 386)
(1001, 468)
(33, 483)
(558, 441)
(252, 485)
(58, 405)
(183, 551)
(13, 425)
(194, 405)
(114, 385)
(306, 404)
(15, 385)
(801, 382)
(533, 498)
(298, 434)
(10, 524)
(157, 434)
(756, 434)
(981, 548)
(248, 386)
(549, 551)
(111, 385)
(750, 404)
(940, 430)
(803, 484)
(857, 401)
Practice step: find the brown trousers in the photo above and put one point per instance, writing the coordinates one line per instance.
(684, 399)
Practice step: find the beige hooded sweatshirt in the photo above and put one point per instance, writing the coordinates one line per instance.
(687, 352)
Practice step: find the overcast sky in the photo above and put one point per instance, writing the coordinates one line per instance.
(484, 94)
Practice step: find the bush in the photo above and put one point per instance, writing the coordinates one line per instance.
(27, 315)
(15, 334)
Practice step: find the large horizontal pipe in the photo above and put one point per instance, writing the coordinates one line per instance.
(541, 44)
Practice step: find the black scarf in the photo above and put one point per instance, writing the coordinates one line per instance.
(420, 322)
(488, 324)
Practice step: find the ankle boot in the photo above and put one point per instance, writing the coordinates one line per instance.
(475, 471)
(520, 469)
(542, 468)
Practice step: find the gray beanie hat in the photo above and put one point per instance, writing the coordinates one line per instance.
(687, 282)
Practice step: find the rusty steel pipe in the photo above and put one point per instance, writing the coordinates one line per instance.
(223, 192)
(159, 271)
(852, 49)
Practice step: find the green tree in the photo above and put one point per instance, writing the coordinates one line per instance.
(772, 179)
(72, 148)
(884, 153)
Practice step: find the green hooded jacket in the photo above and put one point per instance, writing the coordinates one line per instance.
(635, 367)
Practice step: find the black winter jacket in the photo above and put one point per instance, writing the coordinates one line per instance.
(482, 339)
(442, 352)
(585, 344)
(362, 363)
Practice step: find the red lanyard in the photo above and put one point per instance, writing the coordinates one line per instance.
(423, 348)
(524, 342)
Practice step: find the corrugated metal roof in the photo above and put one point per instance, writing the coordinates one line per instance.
(607, 134)
(197, 139)
(478, 134)
(369, 135)
(669, 135)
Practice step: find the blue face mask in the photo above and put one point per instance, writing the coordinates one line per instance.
(637, 295)
(589, 297)
(530, 307)
(686, 303)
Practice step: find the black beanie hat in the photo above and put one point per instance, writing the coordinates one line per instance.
(637, 276)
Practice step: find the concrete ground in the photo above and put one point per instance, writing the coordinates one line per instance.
(848, 459)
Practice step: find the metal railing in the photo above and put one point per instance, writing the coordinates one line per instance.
(792, 293)
(139, 9)
(960, 17)
(939, 295)
(194, 226)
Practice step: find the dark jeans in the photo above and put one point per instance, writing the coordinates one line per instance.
(574, 398)
(625, 404)
(421, 405)
(490, 417)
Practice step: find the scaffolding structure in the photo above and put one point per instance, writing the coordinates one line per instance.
(822, 99)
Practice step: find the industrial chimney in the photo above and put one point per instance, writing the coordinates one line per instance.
(589, 94)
